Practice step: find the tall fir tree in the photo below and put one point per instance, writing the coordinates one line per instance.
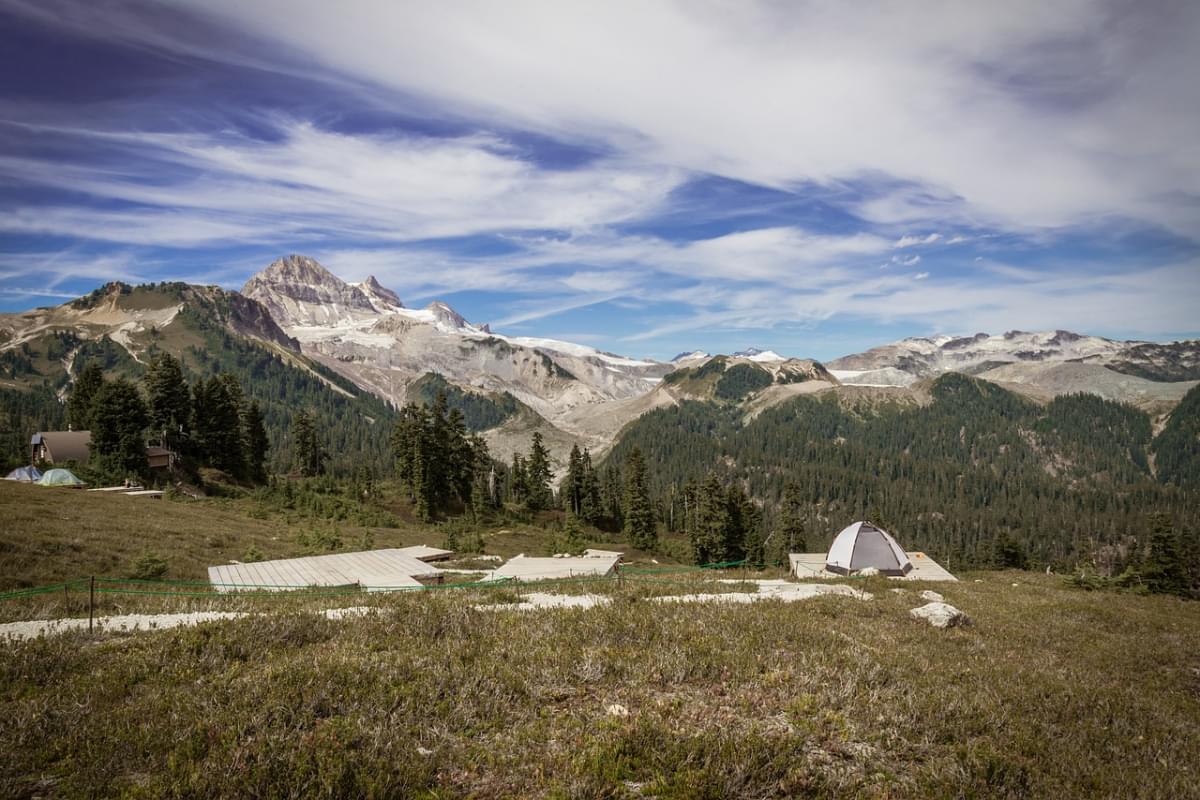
(518, 481)
(638, 512)
(612, 497)
(709, 531)
(590, 503)
(1163, 571)
(571, 492)
(306, 445)
(538, 476)
(168, 402)
(119, 420)
(217, 423)
(254, 434)
(83, 394)
(788, 536)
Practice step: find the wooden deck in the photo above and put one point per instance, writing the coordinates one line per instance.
(812, 565)
(373, 570)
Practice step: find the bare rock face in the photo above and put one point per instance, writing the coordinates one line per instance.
(929, 356)
(297, 290)
(941, 615)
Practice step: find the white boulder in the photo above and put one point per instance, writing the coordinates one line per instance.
(869, 572)
(941, 615)
(931, 596)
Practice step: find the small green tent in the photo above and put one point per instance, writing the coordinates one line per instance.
(24, 474)
(59, 477)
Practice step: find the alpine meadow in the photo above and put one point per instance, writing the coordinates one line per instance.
(622, 400)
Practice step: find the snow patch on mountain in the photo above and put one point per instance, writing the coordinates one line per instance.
(760, 356)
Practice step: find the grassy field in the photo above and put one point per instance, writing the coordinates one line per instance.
(53, 534)
(1052, 692)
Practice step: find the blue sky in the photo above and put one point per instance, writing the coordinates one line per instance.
(650, 178)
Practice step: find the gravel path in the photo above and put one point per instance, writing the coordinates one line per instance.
(767, 590)
(129, 623)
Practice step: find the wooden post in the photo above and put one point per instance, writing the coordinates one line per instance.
(91, 602)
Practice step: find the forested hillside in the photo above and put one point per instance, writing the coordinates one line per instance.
(213, 332)
(976, 470)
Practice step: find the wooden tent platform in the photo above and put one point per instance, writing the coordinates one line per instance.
(372, 570)
(806, 566)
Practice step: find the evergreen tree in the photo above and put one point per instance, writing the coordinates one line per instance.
(483, 495)
(518, 489)
(742, 532)
(571, 492)
(1009, 553)
(788, 536)
(612, 497)
(573, 540)
(708, 533)
(168, 401)
(217, 424)
(1163, 571)
(119, 420)
(310, 455)
(83, 394)
(538, 476)
(254, 434)
(591, 507)
(639, 514)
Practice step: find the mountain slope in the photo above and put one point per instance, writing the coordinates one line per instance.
(364, 333)
(971, 466)
(210, 330)
(1043, 364)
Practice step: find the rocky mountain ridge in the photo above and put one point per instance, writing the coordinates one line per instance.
(573, 393)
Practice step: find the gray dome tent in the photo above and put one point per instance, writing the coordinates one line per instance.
(863, 545)
(24, 474)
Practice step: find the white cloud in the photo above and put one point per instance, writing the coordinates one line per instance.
(907, 261)
(912, 241)
(1019, 114)
(310, 183)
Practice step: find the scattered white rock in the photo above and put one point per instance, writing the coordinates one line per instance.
(425, 751)
(899, 591)
(941, 615)
(1016, 584)
(771, 590)
(352, 611)
(869, 572)
(617, 710)
(536, 600)
(932, 596)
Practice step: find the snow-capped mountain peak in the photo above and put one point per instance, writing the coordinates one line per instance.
(761, 356)
(381, 298)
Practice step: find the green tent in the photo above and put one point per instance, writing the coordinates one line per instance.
(59, 477)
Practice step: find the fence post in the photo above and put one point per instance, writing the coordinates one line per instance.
(91, 602)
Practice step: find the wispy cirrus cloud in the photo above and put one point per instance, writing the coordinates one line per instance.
(661, 172)
(304, 182)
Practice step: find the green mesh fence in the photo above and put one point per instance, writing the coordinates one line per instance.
(136, 587)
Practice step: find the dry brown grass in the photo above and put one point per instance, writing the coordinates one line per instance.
(1052, 692)
(48, 535)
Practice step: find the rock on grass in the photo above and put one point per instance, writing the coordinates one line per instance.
(941, 615)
